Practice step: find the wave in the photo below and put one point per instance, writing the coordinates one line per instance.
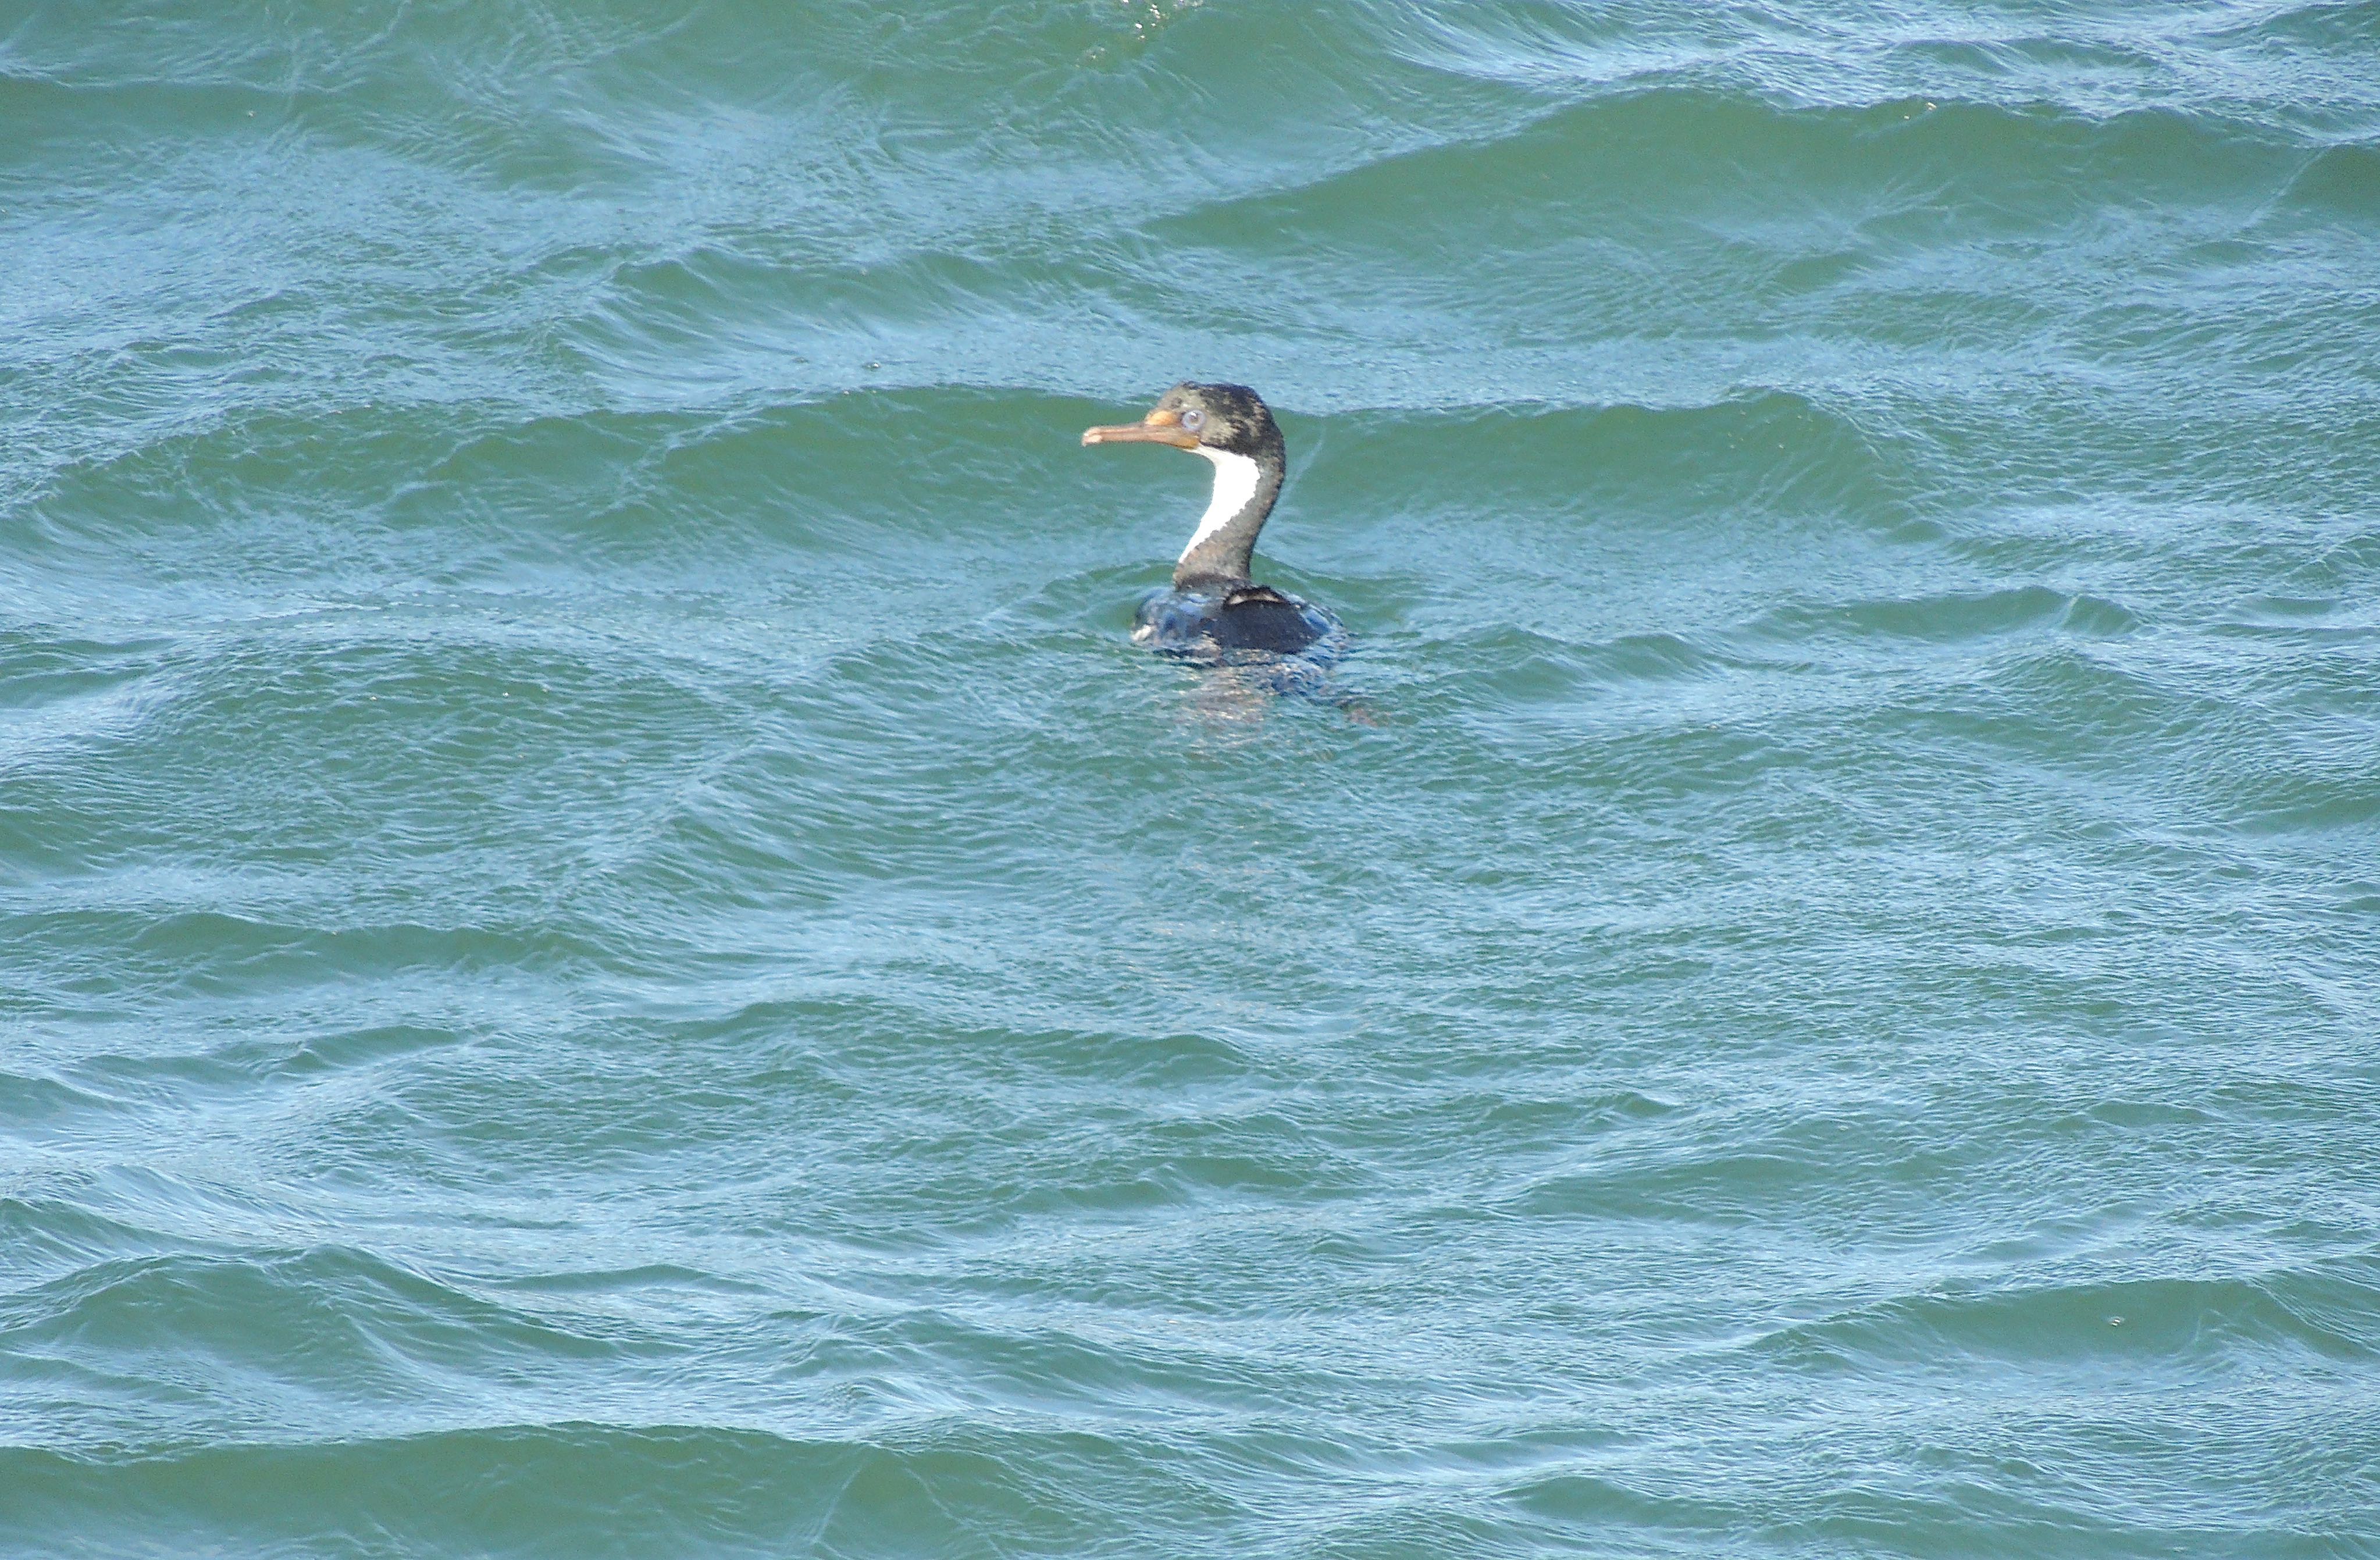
(545, 1489)
(2221, 1326)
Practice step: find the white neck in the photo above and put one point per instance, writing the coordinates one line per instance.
(1235, 483)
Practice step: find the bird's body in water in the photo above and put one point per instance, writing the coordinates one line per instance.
(1214, 612)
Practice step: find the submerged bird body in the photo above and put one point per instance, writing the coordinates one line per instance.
(1214, 612)
(1248, 619)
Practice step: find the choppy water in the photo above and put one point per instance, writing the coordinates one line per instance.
(605, 950)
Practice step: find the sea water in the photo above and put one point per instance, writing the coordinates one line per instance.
(606, 949)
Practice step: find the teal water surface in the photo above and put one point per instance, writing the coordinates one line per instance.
(606, 949)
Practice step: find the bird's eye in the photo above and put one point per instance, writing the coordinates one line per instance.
(1193, 419)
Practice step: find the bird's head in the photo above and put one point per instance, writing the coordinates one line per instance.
(1228, 418)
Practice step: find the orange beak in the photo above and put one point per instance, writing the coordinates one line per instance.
(1160, 427)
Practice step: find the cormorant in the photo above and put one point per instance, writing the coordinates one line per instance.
(1214, 612)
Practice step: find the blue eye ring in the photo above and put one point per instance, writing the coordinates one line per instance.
(1193, 419)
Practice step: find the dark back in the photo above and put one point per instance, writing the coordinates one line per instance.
(1260, 617)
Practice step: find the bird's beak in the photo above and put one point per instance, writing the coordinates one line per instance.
(1160, 427)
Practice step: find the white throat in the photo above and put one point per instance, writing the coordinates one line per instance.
(1235, 483)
